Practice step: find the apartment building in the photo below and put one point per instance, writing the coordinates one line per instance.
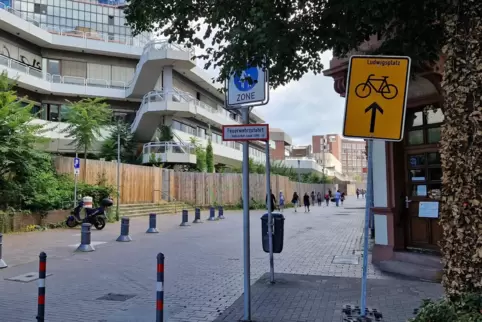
(351, 153)
(354, 159)
(60, 50)
(280, 144)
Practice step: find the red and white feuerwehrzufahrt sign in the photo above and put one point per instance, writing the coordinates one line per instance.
(246, 132)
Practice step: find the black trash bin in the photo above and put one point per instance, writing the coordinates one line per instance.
(278, 232)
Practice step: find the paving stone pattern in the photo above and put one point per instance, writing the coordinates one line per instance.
(203, 269)
(301, 298)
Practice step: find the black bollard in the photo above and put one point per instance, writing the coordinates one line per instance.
(212, 214)
(2, 262)
(152, 224)
(160, 288)
(197, 216)
(85, 239)
(185, 218)
(221, 212)
(42, 274)
(124, 235)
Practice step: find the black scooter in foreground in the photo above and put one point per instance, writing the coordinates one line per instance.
(94, 216)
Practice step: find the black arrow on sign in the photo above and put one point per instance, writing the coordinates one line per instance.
(374, 107)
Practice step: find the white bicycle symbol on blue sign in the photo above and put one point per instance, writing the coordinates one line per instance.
(247, 80)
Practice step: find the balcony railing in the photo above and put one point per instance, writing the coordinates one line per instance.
(93, 35)
(168, 147)
(160, 45)
(58, 79)
(182, 97)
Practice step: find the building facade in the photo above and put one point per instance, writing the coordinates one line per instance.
(351, 154)
(281, 144)
(60, 51)
(405, 174)
(354, 159)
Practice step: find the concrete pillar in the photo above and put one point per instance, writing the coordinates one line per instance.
(167, 78)
(44, 68)
(383, 218)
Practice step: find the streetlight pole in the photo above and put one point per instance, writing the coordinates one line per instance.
(324, 176)
(119, 116)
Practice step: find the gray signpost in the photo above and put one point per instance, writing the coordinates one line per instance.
(244, 91)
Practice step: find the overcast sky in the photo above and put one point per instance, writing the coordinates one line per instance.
(304, 108)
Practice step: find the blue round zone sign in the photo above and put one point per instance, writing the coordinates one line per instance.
(247, 80)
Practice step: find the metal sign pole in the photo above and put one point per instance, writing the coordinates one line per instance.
(75, 182)
(324, 175)
(246, 238)
(366, 230)
(118, 170)
(270, 215)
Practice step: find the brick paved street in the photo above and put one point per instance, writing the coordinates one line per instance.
(302, 298)
(203, 275)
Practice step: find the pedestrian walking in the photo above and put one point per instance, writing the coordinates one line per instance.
(273, 201)
(342, 198)
(295, 200)
(306, 202)
(281, 201)
(363, 192)
(357, 193)
(313, 198)
(327, 199)
(319, 198)
(337, 198)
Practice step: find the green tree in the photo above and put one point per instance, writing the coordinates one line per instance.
(200, 155)
(127, 142)
(288, 37)
(86, 119)
(19, 138)
(210, 157)
(165, 133)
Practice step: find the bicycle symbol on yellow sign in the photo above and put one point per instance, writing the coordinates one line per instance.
(388, 91)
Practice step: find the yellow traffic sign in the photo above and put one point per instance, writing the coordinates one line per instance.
(376, 97)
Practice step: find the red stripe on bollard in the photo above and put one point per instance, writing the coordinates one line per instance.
(159, 305)
(160, 288)
(42, 273)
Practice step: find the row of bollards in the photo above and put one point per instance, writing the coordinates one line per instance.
(42, 274)
(85, 239)
(197, 216)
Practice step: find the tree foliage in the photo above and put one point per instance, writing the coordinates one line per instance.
(127, 143)
(18, 134)
(200, 155)
(209, 157)
(86, 119)
(290, 35)
(28, 179)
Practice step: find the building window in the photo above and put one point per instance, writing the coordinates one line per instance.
(424, 127)
(40, 8)
(53, 67)
(425, 174)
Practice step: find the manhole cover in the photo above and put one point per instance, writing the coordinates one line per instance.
(345, 259)
(25, 278)
(116, 297)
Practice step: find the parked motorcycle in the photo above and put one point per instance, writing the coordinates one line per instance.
(94, 216)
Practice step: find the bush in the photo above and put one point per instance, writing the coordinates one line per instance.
(466, 308)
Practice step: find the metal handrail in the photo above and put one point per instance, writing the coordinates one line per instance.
(169, 198)
(59, 79)
(184, 147)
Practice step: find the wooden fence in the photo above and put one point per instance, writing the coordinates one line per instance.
(143, 184)
(226, 188)
(138, 184)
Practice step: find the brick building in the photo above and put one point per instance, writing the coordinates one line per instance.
(351, 153)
